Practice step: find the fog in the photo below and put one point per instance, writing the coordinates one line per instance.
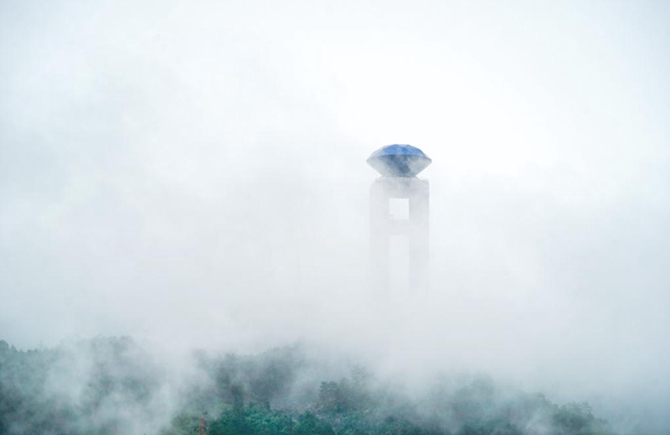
(192, 174)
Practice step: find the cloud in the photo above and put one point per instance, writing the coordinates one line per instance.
(196, 173)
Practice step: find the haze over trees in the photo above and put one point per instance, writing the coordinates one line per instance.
(109, 386)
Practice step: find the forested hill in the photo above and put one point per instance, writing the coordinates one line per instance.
(113, 386)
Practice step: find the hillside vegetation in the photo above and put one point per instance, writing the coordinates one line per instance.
(112, 386)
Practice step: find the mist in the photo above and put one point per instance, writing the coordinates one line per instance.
(193, 176)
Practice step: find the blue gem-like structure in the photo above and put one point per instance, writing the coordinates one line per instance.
(399, 161)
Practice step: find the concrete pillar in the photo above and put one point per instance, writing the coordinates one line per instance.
(415, 228)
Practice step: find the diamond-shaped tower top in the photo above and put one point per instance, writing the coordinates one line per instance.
(399, 161)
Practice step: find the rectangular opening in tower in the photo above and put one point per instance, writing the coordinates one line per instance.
(399, 208)
(399, 265)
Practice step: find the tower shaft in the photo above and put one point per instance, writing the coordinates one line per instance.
(415, 228)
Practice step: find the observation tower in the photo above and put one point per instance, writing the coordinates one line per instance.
(399, 166)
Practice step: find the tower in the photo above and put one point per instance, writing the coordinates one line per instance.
(399, 166)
